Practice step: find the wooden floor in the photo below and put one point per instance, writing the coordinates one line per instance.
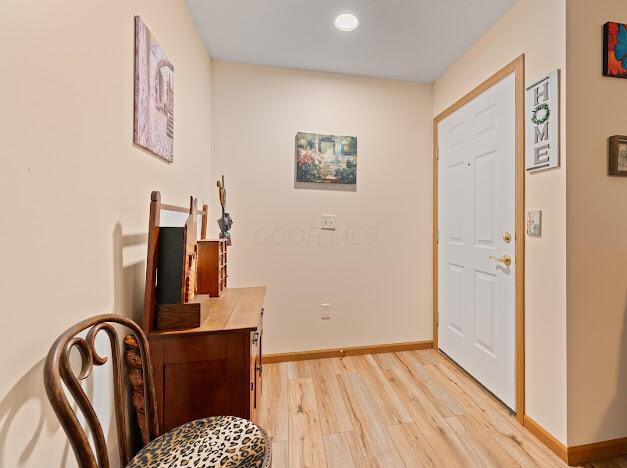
(412, 409)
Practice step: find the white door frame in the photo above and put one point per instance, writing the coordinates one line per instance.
(517, 67)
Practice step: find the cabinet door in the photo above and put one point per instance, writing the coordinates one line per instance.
(194, 390)
(202, 376)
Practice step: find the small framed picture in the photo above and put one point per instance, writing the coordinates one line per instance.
(618, 156)
(615, 50)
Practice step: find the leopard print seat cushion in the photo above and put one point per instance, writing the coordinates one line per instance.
(219, 441)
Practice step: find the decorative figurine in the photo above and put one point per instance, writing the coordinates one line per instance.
(225, 222)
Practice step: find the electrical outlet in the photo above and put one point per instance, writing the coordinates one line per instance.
(325, 311)
(328, 222)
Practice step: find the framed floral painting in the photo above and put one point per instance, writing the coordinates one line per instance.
(326, 159)
(615, 50)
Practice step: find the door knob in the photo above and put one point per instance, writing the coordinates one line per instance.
(505, 259)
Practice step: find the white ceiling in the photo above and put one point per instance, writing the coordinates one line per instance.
(401, 39)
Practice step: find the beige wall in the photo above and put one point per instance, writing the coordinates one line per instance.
(597, 232)
(537, 29)
(375, 269)
(67, 146)
(75, 190)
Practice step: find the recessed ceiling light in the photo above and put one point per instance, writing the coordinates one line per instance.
(346, 22)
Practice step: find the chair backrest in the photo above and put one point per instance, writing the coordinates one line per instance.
(58, 372)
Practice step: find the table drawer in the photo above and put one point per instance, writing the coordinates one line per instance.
(195, 349)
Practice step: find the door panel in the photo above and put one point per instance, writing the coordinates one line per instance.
(484, 199)
(485, 292)
(455, 303)
(456, 204)
(476, 196)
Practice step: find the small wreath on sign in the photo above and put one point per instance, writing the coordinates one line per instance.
(543, 116)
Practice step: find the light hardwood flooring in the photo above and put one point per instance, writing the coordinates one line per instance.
(412, 409)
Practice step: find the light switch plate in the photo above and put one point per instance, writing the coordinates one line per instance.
(327, 222)
(534, 223)
(325, 311)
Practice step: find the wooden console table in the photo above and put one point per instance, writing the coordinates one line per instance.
(210, 368)
(214, 369)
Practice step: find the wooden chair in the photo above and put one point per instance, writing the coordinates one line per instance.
(216, 441)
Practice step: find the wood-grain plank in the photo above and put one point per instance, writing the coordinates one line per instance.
(492, 415)
(523, 451)
(467, 385)
(280, 455)
(480, 445)
(412, 446)
(332, 406)
(428, 357)
(298, 370)
(343, 450)
(343, 365)
(385, 400)
(372, 438)
(509, 434)
(445, 400)
(305, 444)
(272, 412)
(429, 419)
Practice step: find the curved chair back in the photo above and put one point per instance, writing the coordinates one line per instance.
(58, 372)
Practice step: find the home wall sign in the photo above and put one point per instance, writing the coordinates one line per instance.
(542, 123)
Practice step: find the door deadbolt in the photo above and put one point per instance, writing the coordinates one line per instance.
(507, 237)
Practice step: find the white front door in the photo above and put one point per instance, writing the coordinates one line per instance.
(476, 212)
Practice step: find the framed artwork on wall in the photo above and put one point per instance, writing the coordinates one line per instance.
(618, 156)
(327, 159)
(615, 50)
(153, 127)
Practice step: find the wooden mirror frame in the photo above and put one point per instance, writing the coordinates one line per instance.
(154, 220)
